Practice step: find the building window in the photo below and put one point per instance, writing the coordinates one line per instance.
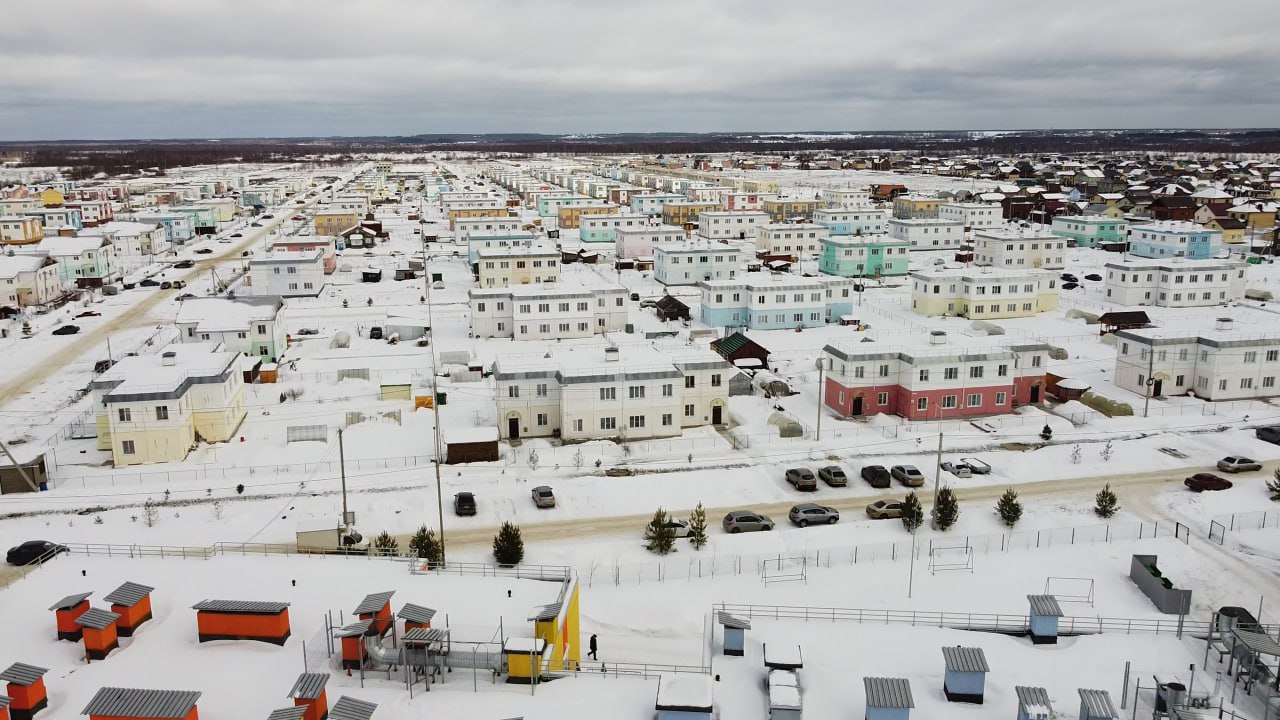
(1269, 381)
(162, 412)
(1251, 356)
(1246, 383)
(542, 419)
(577, 425)
(124, 414)
(884, 371)
(922, 403)
(1000, 399)
(608, 393)
(608, 423)
(689, 381)
(948, 401)
(924, 376)
(1035, 361)
(541, 390)
(882, 399)
(858, 372)
(1222, 384)
(636, 421)
(975, 371)
(974, 400)
(951, 373)
(126, 447)
(513, 391)
(688, 411)
(636, 392)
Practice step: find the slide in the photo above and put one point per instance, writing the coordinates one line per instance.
(378, 653)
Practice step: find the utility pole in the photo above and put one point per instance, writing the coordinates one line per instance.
(937, 471)
(822, 366)
(435, 396)
(342, 473)
(1151, 381)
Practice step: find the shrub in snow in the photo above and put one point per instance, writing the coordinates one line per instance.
(217, 510)
(534, 460)
(1009, 507)
(1273, 486)
(912, 512)
(659, 536)
(1076, 455)
(97, 520)
(508, 546)
(150, 515)
(345, 303)
(240, 489)
(1106, 503)
(425, 545)
(1046, 433)
(578, 459)
(385, 544)
(698, 528)
(1107, 452)
(947, 510)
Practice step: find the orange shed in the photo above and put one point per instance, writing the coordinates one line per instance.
(132, 602)
(66, 611)
(242, 620)
(308, 693)
(113, 703)
(25, 689)
(352, 637)
(4, 707)
(416, 616)
(377, 607)
(100, 636)
(290, 713)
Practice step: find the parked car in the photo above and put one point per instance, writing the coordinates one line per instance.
(1238, 463)
(908, 475)
(635, 297)
(375, 332)
(298, 218)
(307, 331)
(884, 509)
(268, 217)
(89, 313)
(876, 476)
(543, 497)
(746, 521)
(185, 296)
(1069, 285)
(833, 475)
(225, 241)
(1093, 277)
(802, 479)
(679, 528)
(204, 251)
(976, 466)
(464, 503)
(806, 514)
(1069, 277)
(166, 285)
(256, 224)
(66, 330)
(236, 235)
(1207, 481)
(1270, 434)
(34, 551)
(184, 264)
(149, 283)
(959, 469)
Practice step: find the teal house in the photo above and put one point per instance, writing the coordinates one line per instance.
(865, 256)
(1089, 230)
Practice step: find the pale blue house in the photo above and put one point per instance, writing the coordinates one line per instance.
(478, 241)
(844, 221)
(1174, 239)
(1089, 230)
(1044, 615)
(765, 301)
(888, 698)
(965, 677)
(651, 203)
(866, 256)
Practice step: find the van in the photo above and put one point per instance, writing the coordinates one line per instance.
(1270, 433)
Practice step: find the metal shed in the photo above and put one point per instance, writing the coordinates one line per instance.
(263, 621)
(66, 611)
(114, 702)
(307, 694)
(349, 708)
(1045, 612)
(685, 697)
(352, 637)
(735, 632)
(25, 688)
(1033, 703)
(132, 602)
(416, 616)
(1097, 705)
(376, 607)
(4, 707)
(965, 677)
(888, 698)
(99, 631)
(290, 713)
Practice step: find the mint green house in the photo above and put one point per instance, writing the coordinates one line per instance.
(863, 256)
(1089, 230)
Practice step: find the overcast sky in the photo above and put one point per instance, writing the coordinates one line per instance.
(98, 69)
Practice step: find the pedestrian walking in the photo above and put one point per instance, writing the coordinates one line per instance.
(592, 646)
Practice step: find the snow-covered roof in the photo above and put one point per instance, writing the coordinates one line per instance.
(13, 265)
(144, 376)
(524, 645)
(222, 314)
(463, 435)
(690, 693)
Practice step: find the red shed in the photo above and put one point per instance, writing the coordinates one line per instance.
(352, 636)
(100, 635)
(308, 693)
(416, 616)
(132, 602)
(242, 620)
(113, 703)
(66, 611)
(25, 689)
(377, 607)
(4, 707)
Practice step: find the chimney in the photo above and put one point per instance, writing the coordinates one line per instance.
(611, 354)
(1223, 323)
(937, 337)
(169, 358)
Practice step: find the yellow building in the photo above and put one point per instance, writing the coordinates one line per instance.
(1232, 229)
(458, 213)
(1256, 215)
(983, 293)
(335, 222)
(52, 198)
(510, 266)
(909, 207)
(557, 625)
(569, 216)
(680, 213)
(16, 230)
(785, 210)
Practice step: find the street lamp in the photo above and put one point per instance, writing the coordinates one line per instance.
(435, 396)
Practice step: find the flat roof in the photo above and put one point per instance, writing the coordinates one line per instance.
(685, 693)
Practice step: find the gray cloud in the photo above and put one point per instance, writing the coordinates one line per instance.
(233, 68)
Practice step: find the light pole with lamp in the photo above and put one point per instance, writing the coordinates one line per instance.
(435, 396)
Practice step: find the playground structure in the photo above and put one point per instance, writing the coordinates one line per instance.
(784, 569)
(1070, 589)
(950, 558)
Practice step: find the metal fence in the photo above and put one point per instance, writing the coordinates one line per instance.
(592, 668)
(1221, 525)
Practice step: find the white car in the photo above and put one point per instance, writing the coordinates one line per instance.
(680, 527)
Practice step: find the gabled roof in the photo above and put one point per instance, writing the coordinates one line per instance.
(733, 621)
(22, 674)
(138, 703)
(97, 619)
(731, 344)
(1045, 605)
(416, 613)
(355, 629)
(1097, 704)
(128, 594)
(670, 302)
(965, 659)
(70, 601)
(241, 607)
(4, 701)
(1030, 696)
(373, 602)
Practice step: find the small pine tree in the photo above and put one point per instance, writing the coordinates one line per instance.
(1076, 455)
(1106, 502)
(1009, 507)
(947, 510)
(346, 303)
(386, 544)
(217, 509)
(534, 460)
(508, 546)
(425, 545)
(578, 459)
(698, 528)
(1107, 452)
(1273, 486)
(1046, 432)
(912, 512)
(26, 329)
(150, 513)
(659, 536)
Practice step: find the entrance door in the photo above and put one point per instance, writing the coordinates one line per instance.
(1156, 388)
(1035, 394)
(717, 415)
(513, 428)
(857, 405)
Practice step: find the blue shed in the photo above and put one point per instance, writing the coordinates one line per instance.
(888, 698)
(1097, 705)
(735, 632)
(1033, 703)
(1045, 612)
(684, 697)
(966, 674)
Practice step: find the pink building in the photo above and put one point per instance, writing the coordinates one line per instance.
(327, 244)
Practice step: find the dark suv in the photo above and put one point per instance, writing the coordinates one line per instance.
(464, 503)
(877, 476)
(1270, 433)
